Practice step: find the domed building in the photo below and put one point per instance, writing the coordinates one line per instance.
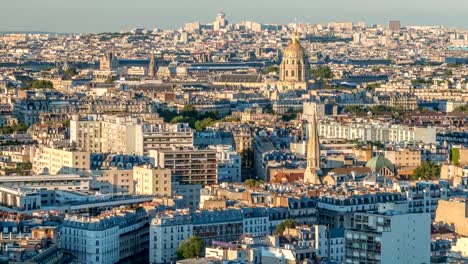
(295, 67)
(381, 165)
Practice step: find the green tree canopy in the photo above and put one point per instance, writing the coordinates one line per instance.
(322, 72)
(428, 170)
(13, 128)
(288, 223)
(461, 109)
(189, 111)
(39, 84)
(272, 68)
(191, 248)
(455, 156)
(253, 183)
(203, 124)
(70, 72)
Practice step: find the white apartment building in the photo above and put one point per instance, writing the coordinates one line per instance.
(51, 161)
(229, 164)
(166, 234)
(374, 132)
(126, 134)
(256, 221)
(107, 238)
(389, 236)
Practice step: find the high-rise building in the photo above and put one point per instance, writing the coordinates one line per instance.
(389, 236)
(394, 25)
(188, 165)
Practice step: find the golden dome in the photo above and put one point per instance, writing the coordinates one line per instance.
(294, 50)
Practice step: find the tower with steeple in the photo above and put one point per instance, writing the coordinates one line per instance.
(151, 67)
(312, 172)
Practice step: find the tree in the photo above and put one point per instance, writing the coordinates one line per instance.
(461, 109)
(272, 68)
(69, 73)
(189, 111)
(253, 183)
(191, 248)
(354, 109)
(109, 80)
(455, 156)
(322, 72)
(203, 124)
(268, 109)
(288, 223)
(39, 84)
(428, 170)
(13, 128)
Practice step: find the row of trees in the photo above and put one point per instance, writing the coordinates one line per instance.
(39, 84)
(428, 170)
(13, 128)
(195, 119)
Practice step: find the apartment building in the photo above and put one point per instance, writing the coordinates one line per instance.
(188, 165)
(338, 211)
(169, 229)
(389, 236)
(126, 134)
(152, 180)
(107, 238)
(404, 158)
(53, 161)
(114, 180)
(229, 164)
(165, 135)
(372, 132)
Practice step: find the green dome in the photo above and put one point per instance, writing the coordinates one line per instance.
(378, 162)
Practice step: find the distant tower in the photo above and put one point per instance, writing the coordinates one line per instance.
(108, 62)
(311, 174)
(220, 22)
(151, 69)
(394, 25)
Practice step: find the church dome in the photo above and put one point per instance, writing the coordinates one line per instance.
(378, 162)
(294, 50)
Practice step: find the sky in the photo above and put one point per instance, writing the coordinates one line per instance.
(86, 16)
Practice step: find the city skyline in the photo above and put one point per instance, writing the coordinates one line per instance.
(89, 17)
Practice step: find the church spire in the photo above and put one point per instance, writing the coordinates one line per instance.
(311, 174)
(295, 37)
(151, 69)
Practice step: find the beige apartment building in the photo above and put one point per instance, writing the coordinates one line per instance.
(188, 165)
(114, 180)
(403, 158)
(454, 213)
(53, 161)
(152, 180)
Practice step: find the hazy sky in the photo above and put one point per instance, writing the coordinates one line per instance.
(115, 15)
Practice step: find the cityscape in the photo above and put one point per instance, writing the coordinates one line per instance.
(235, 141)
